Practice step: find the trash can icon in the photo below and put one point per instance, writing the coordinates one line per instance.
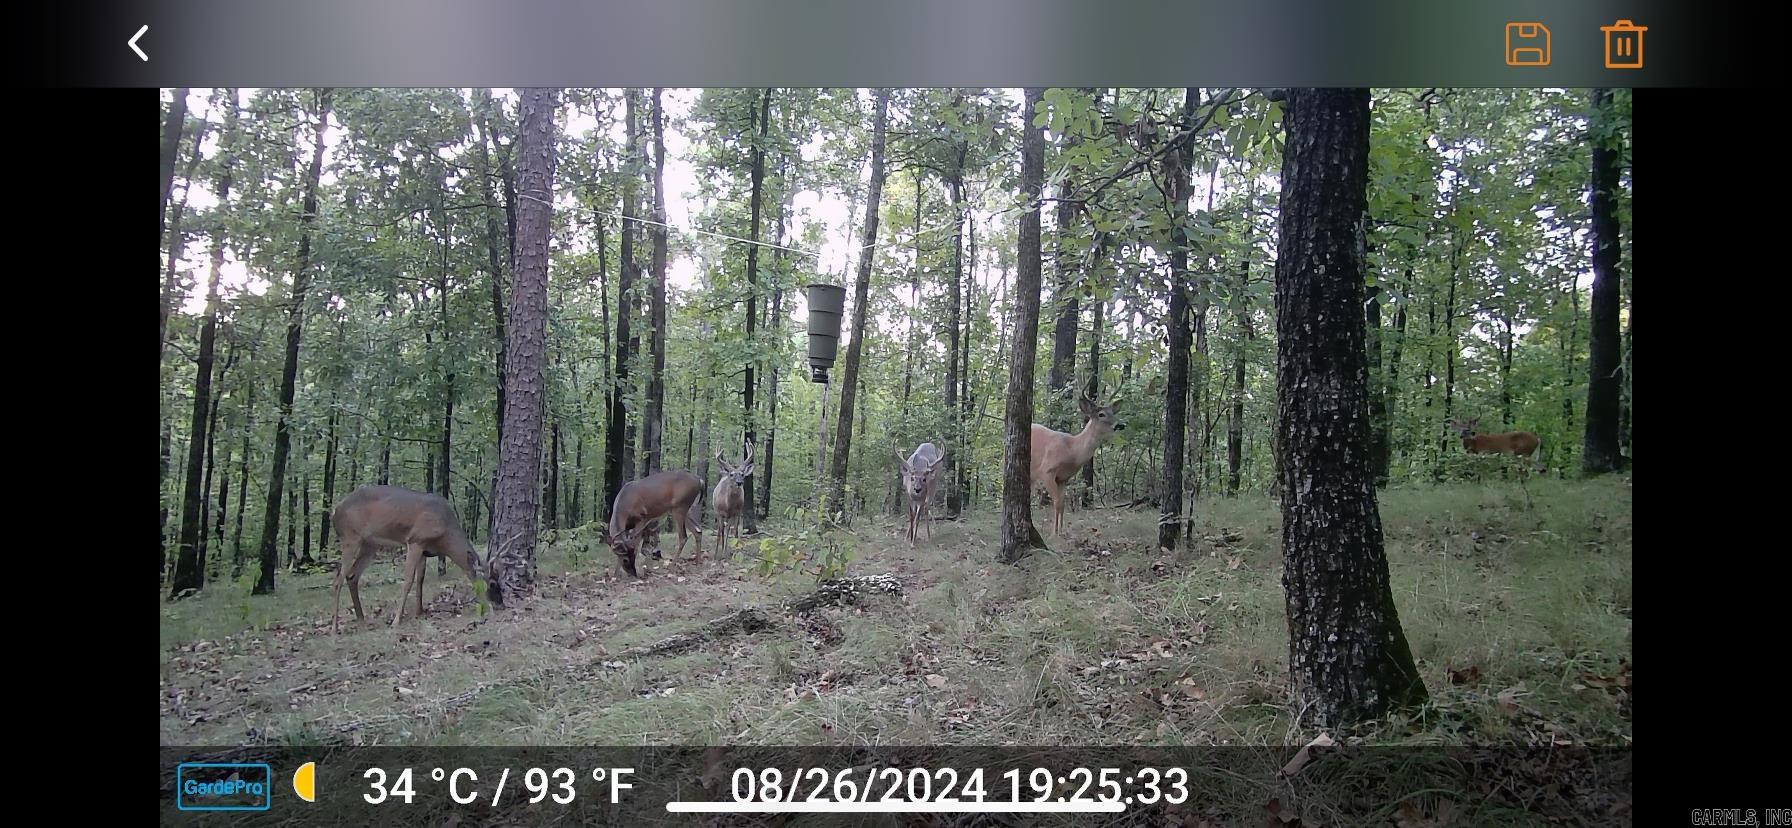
(1624, 45)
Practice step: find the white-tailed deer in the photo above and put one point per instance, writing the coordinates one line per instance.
(1515, 443)
(378, 517)
(729, 498)
(919, 480)
(642, 502)
(1057, 456)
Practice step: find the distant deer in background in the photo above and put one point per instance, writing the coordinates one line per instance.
(641, 503)
(377, 517)
(1058, 456)
(1515, 443)
(919, 480)
(729, 498)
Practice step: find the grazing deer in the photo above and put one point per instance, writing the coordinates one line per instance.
(377, 517)
(1515, 443)
(641, 503)
(729, 499)
(1057, 456)
(918, 484)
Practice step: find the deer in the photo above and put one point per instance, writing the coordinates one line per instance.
(729, 499)
(641, 503)
(1515, 443)
(377, 517)
(1058, 456)
(918, 484)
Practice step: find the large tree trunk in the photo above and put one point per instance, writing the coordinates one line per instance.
(618, 448)
(654, 425)
(1177, 168)
(189, 565)
(1347, 653)
(748, 386)
(295, 319)
(1599, 451)
(1018, 533)
(515, 527)
(836, 499)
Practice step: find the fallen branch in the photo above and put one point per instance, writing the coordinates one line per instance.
(748, 620)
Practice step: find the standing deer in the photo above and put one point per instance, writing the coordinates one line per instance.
(729, 499)
(641, 503)
(378, 517)
(1515, 443)
(1058, 456)
(918, 484)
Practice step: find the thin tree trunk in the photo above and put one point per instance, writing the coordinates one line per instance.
(653, 426)
(748, 522)
(515, 527)
(1018, 533)
(1348, 656)
(1235, 428)
(1177, 168)
(1599, 451)
(775, 320)
(836, 500)
(189, 567)
(955, 315)
(289, 374)
(171, 129)
(329, 504)
(242, 486)
(618, 448)
(550, 493)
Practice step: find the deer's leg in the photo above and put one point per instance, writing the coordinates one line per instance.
(363, 557)
(421, 572)
(348, 559)
(413, 574)
(1056, 491)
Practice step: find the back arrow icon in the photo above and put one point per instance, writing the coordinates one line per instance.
(133, 43)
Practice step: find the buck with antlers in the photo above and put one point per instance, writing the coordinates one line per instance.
(1515, 443)
(919, 480)
(729, 499)
(641, 503)
(377, 517)
(1057, 456)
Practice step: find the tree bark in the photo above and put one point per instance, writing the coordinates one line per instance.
(329, 504)
(763, 123)
(1348, 656)
(1599, 451)
(242, 486)
(189, 565)
(1177, 168)
(295, 319)
(1378, 393)
(654, 425)
(515, 527)
(955, 315)
(1235, 428)
(836, 499)
(618, 448)
(1018, 532)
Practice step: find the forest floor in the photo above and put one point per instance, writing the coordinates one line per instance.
(1517, 609)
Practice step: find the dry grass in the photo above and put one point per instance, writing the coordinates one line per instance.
(1519, 618)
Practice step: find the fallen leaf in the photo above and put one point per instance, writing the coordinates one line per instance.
(936, 680)
(1302, 756)
(1466, 675)
(1508, 700)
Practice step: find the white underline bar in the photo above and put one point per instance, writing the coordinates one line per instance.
(896, 807)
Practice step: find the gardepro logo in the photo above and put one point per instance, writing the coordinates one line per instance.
(216, 786)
